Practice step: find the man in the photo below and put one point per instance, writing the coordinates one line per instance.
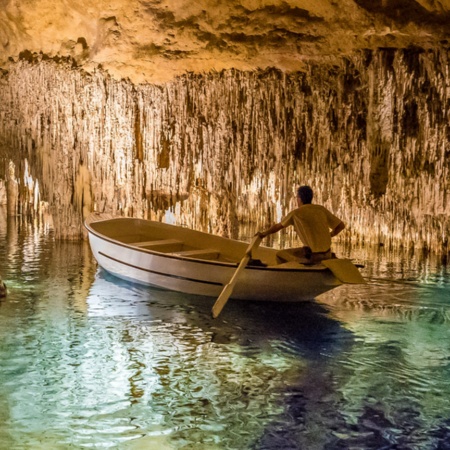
(312, 224)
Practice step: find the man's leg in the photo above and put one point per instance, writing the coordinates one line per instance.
(316, 258)
(297, 254)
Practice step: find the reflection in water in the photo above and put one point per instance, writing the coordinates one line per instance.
(92, 361)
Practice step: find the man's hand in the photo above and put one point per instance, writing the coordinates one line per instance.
(273, 229)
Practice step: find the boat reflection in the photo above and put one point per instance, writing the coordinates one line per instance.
(304, 326)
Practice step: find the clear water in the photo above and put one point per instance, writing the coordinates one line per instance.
(88, 361)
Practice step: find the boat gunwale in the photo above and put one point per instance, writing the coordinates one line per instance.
(99, 235)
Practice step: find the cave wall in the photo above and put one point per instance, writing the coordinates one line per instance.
(221, 149)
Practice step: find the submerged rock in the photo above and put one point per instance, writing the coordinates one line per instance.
(3, 290)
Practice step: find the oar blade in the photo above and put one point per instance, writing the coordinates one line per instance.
(344, 270)
(222, 300)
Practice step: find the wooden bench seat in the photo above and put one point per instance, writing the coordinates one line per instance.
(163, 245)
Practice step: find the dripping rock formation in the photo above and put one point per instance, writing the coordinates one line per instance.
(212, 112)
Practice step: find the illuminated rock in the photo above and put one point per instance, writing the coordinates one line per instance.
(215, 149)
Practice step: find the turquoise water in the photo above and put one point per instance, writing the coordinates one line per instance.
(88, 361)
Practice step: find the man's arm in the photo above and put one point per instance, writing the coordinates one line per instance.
(273, 229)
(337, 229)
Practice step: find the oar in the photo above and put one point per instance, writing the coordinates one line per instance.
(344, 270)
(228, 289)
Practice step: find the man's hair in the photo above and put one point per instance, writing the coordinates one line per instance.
(305, 194)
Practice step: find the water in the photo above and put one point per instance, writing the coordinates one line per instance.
(88, 361)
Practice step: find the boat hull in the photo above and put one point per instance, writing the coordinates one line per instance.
(204, 277)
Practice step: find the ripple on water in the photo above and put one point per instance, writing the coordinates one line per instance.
(392, 300)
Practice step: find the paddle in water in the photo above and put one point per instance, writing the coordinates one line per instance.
(228, 289)
(344, 270)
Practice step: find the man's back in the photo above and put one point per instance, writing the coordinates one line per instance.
(312, 224)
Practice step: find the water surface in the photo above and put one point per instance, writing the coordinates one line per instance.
(89, 361)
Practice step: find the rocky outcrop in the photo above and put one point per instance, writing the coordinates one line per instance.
(221, 149)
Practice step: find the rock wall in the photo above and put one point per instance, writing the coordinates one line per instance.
(219, 150)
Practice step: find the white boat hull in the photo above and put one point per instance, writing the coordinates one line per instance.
(172, 270)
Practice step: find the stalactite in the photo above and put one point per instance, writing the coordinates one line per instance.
(371, 135)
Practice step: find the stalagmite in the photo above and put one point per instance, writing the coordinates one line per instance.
(12, 191)
(219, 150)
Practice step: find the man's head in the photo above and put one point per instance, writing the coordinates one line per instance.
(305, 194)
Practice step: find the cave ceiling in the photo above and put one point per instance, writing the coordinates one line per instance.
(155, 40)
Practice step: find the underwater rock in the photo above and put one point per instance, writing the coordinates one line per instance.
(3, 290)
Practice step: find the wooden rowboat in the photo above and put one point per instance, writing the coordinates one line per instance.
(189, 261)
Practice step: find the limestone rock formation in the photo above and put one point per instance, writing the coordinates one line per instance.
(210, 113)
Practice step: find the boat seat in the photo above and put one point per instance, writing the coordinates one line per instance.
(163, 245)
(205, 253)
